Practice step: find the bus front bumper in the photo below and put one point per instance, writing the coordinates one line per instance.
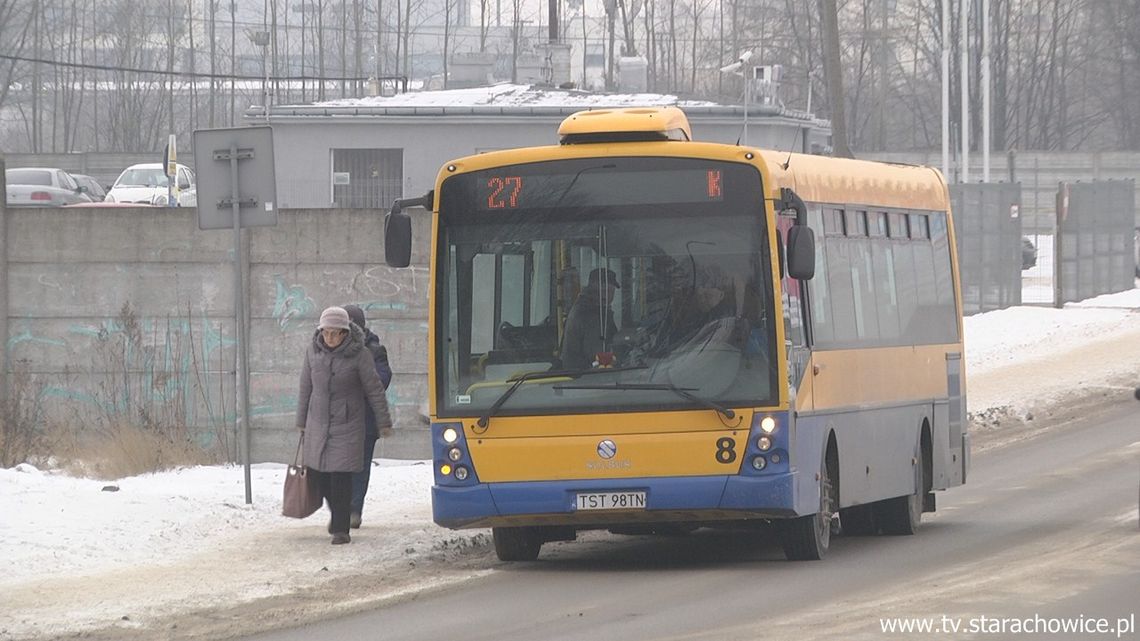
(685, 499)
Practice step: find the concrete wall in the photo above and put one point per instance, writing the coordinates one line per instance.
(69, 273)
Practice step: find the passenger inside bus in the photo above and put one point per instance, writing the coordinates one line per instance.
(590, 328)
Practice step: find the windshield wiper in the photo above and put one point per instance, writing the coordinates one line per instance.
(530, 376)
(684, 392)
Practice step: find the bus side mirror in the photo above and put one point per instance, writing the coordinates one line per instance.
(398, 239)
(801, 252)
(398, 229)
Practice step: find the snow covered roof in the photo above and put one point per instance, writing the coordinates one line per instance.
(513, 99)
(510, 95)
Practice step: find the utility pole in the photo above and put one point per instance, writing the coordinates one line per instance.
(37, 20)
(964, 79)
(170, 66)
(985, 91)
(233, 59)
(213, 7)
(946, 89)
(881, 99)
(273, 39)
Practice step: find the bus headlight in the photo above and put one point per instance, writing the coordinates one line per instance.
(759, 463)
(768, 424)
(450, 435)
(764, 443)
(461, 473)
(455, 454)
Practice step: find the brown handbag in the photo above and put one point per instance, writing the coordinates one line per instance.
(302, 494)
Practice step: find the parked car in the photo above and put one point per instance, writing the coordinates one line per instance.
(43, 187)
(1028, 253)
(95, 191)
(108, 205)
(147, 183)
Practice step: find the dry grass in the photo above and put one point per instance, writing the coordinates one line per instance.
(125, 450)
(138, 423)
(22, 436)
(18, 445)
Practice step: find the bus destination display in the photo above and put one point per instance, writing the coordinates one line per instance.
(597, 186)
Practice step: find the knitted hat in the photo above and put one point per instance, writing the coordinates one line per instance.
(333, 318)
(356, 315)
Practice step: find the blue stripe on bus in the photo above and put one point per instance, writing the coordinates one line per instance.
(456, 506)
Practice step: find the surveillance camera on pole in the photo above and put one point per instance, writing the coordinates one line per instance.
(737, 68)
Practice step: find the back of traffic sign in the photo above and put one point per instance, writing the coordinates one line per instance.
(240, 157)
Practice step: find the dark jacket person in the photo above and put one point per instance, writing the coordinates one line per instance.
(590, 323)
(338, 379)
(371, 431)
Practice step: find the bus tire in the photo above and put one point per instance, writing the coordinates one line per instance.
(903, 514)
(858, 520)
(807, 538)
(516, 543)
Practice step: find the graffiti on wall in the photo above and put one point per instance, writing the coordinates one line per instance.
(156, 372)
(384, 292)
(290, 304)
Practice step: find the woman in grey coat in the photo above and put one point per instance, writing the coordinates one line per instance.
(337, 378)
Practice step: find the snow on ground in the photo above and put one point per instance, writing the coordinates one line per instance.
(1023, 358)
(181, 548)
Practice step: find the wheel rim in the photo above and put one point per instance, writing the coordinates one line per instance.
(915, 502)
(823, 518)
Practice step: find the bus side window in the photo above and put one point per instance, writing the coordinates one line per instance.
(482, 315)
(819, 292)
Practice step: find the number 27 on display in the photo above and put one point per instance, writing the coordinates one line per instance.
(503, 192)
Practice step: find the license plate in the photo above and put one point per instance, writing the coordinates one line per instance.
(611, 501)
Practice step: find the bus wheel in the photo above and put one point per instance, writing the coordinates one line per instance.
(858, 520)
(903, 514)
(807, 538)
(516, 543)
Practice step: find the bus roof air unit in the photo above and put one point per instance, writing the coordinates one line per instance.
(638, 124)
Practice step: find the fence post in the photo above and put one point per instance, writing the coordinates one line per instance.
(1061, 212)
(3, 292)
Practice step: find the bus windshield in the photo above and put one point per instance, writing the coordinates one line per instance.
(657, 269)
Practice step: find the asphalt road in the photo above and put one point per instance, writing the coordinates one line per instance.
(1044, 534)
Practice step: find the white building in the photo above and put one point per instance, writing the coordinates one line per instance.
(365, 152)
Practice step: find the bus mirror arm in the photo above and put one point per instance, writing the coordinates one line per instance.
(425, 201)
(789, 199)
(398, 229)
(801, 239)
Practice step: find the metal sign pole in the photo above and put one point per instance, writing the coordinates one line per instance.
(747, 90)
(242, 381)
(252, 187)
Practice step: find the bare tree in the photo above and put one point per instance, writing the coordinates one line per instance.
(448, 8)
(16, 17)
(833, 71)
(1118, 25)
(696, 10)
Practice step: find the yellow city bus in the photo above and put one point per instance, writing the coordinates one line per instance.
(636, 332)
